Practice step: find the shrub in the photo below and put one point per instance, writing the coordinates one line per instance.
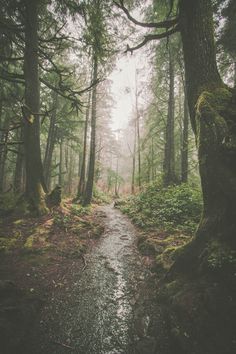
(174, 207)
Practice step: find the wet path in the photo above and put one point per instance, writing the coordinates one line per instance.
(98, 315)
(109, 285)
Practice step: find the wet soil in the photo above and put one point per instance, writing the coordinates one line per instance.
(108, 306)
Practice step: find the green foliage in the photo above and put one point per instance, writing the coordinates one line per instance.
(61, 220)
(99, 197)
(175, 207)
(79, 210)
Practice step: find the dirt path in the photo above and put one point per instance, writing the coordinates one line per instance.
(102, 310)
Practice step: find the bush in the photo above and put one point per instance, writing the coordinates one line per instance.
(99, 197)
(175, 207)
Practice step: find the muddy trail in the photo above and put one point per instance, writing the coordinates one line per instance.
(110, 306)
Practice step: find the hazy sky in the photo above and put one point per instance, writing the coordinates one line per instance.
(123, 86)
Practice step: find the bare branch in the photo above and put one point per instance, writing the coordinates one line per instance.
(152, 37)
(12, 79)
(12, 143)
(72, 95)
(2, 58)
(163, 24)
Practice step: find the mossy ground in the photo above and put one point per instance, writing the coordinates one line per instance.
(40, 255)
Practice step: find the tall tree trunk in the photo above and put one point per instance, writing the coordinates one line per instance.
(169, 156)
(152, 160)
(89, 185)
(184, 148)
(18, 183)
(81, 185)
(70, 171)
(213, 114)
(235, 74)
(35, 186)
(51, 139)
(3, 154)
(138, 130)
(116, 181)
(134, 161)
(60, 173)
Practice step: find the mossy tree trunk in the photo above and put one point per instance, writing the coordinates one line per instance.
(35, 186)
(212, 108)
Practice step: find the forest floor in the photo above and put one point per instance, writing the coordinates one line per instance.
(95, 295)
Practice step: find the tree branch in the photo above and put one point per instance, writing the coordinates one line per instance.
(163, 24)
(152, 37)
(2, 58)
(12, 143)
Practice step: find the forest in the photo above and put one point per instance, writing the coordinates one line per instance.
(117, 176)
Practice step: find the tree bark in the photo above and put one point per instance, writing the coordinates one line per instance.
(60, 173)
(89, 185)
(81, 185)
(47, 164)
(138, 131)
(18, 177)
(235, 74)
(3, 156)
(169, 156)
(134, 161)
(35, 187)
(184, 148)
(212, 108)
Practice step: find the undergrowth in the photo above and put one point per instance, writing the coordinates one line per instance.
(172, 208)
(168, 218)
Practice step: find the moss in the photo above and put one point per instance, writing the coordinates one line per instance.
(37, 242)
(218, 257)
(19, 222)
(170, 254)
(213, 115)
(7, 243)
(29, 242)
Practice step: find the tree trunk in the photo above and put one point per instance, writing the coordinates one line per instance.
(138, 131)
(3, 152)
(169, 156)
(47, 164)
(152, 161)
(60, 173)
(116, 181)
(35, 186)
(184, 148)
(70, 171)
(133, 162)
(213, 114)
(235, 74)
(81, 185)
(18, 184)
(89, 185)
